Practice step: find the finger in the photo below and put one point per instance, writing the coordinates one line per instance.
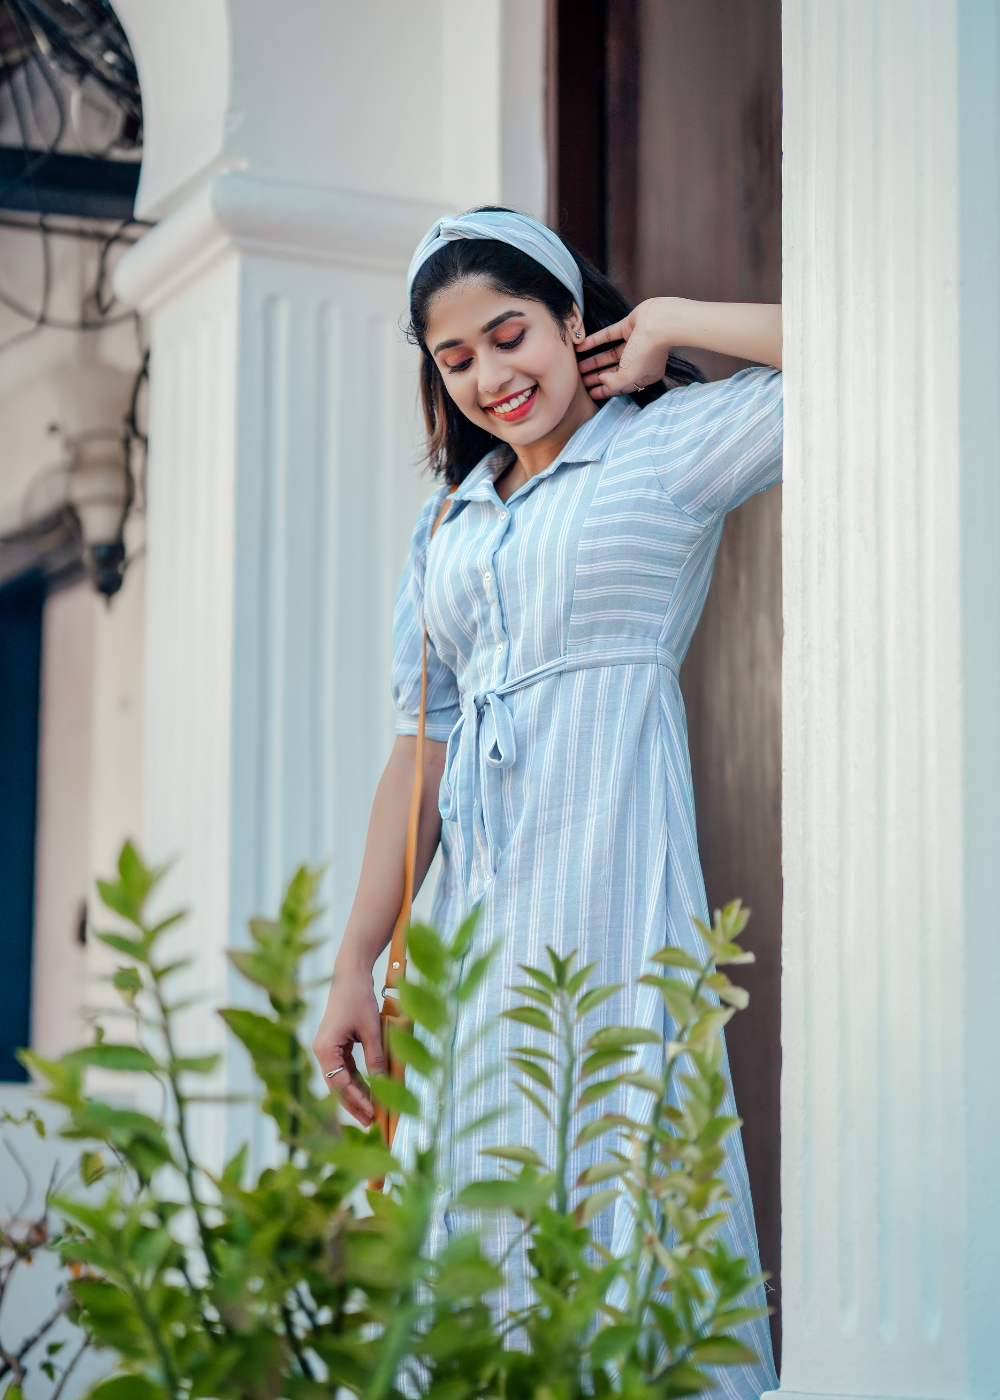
(344, 1080)
(601, 360)
(619, 331)
(354, 1095)
(371, 1044)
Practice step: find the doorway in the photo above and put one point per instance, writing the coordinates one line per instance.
(665, 169)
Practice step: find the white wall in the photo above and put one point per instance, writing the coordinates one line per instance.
(62, 845)
(437, 99)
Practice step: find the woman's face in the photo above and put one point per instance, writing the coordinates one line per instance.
(506, 363)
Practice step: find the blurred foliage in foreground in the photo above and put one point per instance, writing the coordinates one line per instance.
(215, 1284)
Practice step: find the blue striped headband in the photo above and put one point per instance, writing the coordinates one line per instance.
(518, 230)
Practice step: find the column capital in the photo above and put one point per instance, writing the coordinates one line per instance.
(272, 218)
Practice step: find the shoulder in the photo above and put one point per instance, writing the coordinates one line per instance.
(695, 409)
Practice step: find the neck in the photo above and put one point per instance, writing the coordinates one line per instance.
(534, 457)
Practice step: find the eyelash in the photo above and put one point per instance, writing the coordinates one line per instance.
(500, 344)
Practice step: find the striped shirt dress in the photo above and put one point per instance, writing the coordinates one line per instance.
(558, 621)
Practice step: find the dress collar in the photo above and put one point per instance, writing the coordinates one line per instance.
(588, 444)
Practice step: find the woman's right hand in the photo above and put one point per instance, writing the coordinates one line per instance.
(350, 1018)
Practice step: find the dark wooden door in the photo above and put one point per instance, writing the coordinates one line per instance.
(666, 170)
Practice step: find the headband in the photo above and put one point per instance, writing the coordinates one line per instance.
(518, 230)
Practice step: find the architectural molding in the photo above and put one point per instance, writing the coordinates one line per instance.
(272, 218)
(891, 690)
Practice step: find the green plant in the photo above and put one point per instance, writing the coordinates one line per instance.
(679, 1293)
(222, 1283)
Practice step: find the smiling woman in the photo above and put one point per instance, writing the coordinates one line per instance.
(591, 471)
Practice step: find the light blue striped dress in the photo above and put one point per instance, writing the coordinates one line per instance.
(558, 622)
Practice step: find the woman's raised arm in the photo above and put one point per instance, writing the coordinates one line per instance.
(351, 1015)
(748, 330)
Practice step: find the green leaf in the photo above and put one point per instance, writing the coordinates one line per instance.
(409, 1050)
(427, 952)
(613, 1342)
(533, 1071)
(491, 1116)
(423, 1005)
(532, 1097)
(91, 1167)
(595, 997)
(126, 1058)
(601, 1171)
(599, 1126)
(577, 980)
(593, 1205)
(13, 1392)
(528, 1155)
(394, 1095)
(126, 1388)
(523, 1195)
(615, 1037)
(530, 1016)
(728, 991)
(462, 941)
(127, 981)
(639, 1080)
(195, 1064)
(537, 975)
(129, 946)
(232, 1172)
(593, 1092)
(600, 1059)
(371, 1158)
(677, 957)
(535, 993)
(467, 987)
(723, 1351)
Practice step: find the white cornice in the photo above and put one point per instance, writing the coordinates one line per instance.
(276, 219)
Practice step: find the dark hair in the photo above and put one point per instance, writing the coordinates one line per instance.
(454, 443)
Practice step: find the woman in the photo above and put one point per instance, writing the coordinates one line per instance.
(560, 593)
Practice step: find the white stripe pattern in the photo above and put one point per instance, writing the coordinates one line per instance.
(557, 622)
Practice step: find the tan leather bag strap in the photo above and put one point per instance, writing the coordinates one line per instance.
(396, 971)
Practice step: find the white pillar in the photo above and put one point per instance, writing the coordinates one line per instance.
(283, 484)
(890, 1107)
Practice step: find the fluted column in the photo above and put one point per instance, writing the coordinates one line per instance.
(282, 491)
(891, 698)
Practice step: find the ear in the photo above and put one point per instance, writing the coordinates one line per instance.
(575, 326)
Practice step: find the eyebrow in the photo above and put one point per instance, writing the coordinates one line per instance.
(483, 330)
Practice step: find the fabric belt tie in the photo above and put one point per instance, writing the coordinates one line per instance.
(484, 739)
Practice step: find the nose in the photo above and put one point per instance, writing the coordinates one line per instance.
(492, 373)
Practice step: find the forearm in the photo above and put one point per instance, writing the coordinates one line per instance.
(379, 896)
(748, 330)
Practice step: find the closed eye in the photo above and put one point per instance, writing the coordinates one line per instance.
(510, 344)
(457, 369)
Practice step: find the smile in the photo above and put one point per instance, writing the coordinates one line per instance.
(514, 408)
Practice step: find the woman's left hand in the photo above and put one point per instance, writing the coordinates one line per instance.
(637, 360)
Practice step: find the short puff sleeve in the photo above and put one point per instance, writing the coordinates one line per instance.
(716, 445)
(443, 708)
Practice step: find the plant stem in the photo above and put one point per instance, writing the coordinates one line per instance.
(294, 1342)
(565, 1103)
(180, 1102)
(69, 1369)
(644, 1219)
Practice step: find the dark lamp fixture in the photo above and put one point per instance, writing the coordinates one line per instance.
(100, 492)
